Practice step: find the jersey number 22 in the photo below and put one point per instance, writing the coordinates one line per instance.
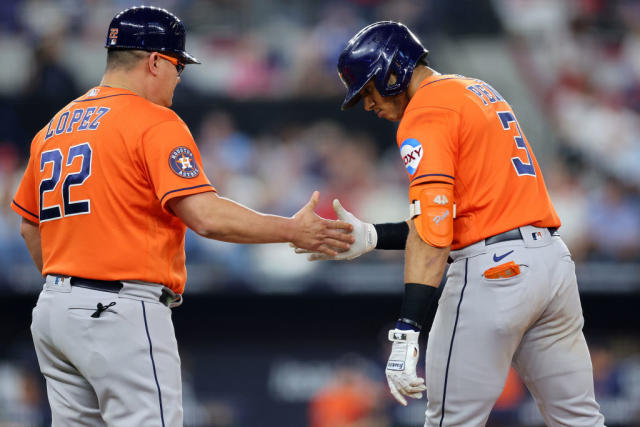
(71, 179)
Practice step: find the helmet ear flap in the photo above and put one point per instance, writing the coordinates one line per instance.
(400, 75)
(385, 82)
(381, 80)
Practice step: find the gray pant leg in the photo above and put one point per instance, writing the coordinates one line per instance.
(470, 346)
(137, 375)
(553, 358)
(72, 399)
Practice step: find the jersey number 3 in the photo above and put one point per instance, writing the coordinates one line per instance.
(522, 168)
(71, 179)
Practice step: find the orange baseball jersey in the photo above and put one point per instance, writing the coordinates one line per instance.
(461, 131)
(98, 181)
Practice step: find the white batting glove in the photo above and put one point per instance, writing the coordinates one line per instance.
(401, 367)
(364, 233)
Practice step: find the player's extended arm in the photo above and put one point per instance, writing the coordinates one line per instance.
(424, 266)
(367, 236)
(220, 218)
(423, 263)
(30, 232)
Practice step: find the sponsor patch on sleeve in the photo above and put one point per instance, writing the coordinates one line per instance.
(183, 163)
(411, 152)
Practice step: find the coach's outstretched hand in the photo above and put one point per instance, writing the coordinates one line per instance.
(319, 235)
(364, 233)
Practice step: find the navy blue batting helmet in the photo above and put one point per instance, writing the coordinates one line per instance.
(375, 52)
(149, 28)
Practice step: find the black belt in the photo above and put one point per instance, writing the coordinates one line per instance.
(514, 234)
(115, 286)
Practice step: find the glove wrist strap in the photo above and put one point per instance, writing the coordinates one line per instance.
(396, 335)
(407, 324)
(392, 235)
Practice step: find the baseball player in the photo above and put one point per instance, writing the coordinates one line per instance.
(112, 182)
(478, 200)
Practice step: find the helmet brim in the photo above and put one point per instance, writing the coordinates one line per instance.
(187, 58)
(353, 95)
(350, 101)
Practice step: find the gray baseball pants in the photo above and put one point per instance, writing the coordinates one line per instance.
(119, 369)
(532, 321)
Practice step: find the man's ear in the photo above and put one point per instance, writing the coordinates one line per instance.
(152, 63)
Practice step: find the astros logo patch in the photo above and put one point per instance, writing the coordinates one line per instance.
(411, 152)
(183, 163)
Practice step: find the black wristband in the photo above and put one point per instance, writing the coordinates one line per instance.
(392, 235)
(419, 305)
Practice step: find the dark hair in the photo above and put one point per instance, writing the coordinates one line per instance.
(124, 58)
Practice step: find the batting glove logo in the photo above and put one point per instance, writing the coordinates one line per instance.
(411, 152)
(183, 163)
(395, 365)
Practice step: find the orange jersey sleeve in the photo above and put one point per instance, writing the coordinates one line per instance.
(98, 180)
(427, 162)
(25, 201)
(173, 161)
(461, 131)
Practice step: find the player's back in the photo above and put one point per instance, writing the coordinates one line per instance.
(98, 210)
(473, 138)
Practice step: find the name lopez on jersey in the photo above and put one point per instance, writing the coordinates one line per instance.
(67, 121)
(183, 163)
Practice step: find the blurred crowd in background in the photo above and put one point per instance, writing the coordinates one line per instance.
(576, 61)
(582, 59)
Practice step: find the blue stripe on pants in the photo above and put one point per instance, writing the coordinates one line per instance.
(453, 335)
(153, 363)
